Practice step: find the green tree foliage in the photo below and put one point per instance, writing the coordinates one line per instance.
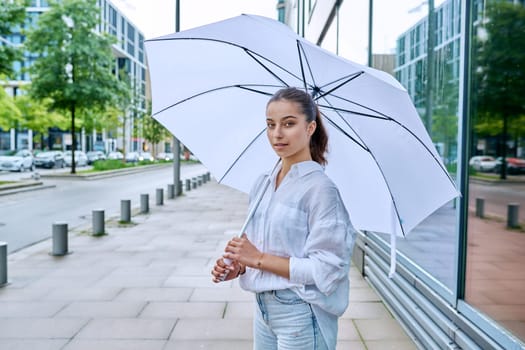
(9, 113)
(153, 131)
(500, 67)
(74, 65)
(12, 16)
(37, 116)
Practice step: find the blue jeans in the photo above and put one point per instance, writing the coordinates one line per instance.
(283, 321)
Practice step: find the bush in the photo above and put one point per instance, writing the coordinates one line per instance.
(110, 164)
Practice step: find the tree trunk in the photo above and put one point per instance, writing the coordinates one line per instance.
(73, 139)
(503, 168)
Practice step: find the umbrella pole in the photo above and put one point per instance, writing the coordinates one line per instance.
(254, 208)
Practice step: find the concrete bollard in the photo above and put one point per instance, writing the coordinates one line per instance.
(179, 189)
(513, 215)
(125, 210)
(3, 264)
(171, 191)
(480, 207)
(98, 222)
(60, 239)
(193, 183)
(199, 181)
(144, 203)
(159, 196)
(204, 179)
(208, 175)
(188, 185)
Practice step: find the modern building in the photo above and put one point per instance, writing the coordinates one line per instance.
(459, 277)
(129, 57)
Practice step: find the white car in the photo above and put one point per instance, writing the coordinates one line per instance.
(20, 161)
(80, 158)
(483, 163)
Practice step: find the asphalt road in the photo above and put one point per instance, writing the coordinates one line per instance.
(497, 197)
(27, 218)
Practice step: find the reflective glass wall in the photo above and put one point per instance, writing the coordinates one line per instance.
(421, 49)
(473, 259)
(495, 275)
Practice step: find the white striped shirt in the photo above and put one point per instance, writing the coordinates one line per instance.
(304, 219)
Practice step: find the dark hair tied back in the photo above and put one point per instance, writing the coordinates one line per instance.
(319, 139)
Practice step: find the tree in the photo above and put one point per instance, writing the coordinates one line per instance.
(500, 67)
(9, 113)
(153, 131)
(12, 16)
(74, 64)
(37, 116)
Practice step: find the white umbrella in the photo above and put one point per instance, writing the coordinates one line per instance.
(210, 86)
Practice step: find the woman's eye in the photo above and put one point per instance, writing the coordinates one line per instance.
(289, 124)
(270, 126)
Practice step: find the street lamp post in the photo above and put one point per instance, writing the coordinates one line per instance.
(70, 70)
(176, 143)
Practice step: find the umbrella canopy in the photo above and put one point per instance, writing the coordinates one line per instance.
(210, 86)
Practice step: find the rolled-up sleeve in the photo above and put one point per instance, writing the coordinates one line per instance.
(327, 251)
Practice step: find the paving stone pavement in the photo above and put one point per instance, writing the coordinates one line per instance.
(147, 285)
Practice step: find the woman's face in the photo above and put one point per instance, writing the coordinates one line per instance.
(288, 131)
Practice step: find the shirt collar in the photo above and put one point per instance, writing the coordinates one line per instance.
(303, 168)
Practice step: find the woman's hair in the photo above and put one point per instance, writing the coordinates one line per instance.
(319, 139)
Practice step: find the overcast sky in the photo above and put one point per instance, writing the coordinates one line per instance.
(157, 17)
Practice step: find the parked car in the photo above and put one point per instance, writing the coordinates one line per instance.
(50, 159)
(80, 158)
(20, 161)
(115, 155)
(146, 156)
(93, 156)
(165, 156)
(515, 166)
(132, 157)
(483, 163)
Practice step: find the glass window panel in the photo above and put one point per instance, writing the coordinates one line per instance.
(401, 32)
(495, 275)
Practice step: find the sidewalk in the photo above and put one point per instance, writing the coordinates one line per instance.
(148, 286)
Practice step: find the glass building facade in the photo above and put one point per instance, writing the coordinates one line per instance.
(129, 57)
(460, 276)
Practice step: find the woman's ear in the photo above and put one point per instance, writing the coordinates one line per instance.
(311, 128)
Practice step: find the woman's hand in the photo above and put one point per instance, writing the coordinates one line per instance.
(242, 250)
(220, 269)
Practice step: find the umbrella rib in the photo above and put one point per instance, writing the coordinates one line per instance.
(334, 124)
(301, 49)
(301, 64)
(249, 53)
(351, 77)
(375, 160)
(337, 110)
(212, 90)
(353, 112)
(245, 87)
(240, 155)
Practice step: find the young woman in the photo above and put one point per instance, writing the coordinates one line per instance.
(295, 254)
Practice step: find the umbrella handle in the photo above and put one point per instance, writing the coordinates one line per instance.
(252, 211)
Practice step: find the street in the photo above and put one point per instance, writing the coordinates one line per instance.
(26, 218)
(497, 197)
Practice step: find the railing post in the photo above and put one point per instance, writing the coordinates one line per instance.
(98, 222)
(513, 215)
(480, 207)
(125, 210)
(60, 239)
(159, 196)
(144, 203)
(171, 191)
(3, 264)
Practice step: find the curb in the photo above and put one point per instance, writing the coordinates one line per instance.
(105, 174)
